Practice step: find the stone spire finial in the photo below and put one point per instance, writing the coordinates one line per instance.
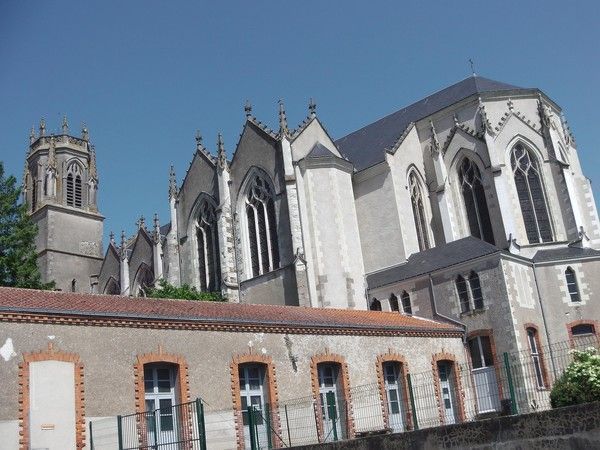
(248, 108)
(123, 245)
(111, 238)
(172, 183)
(93, 167)
(485, 122)
(221, 155)
(65, 125)
(32, 135)
(544, 112)
(198, 139)
(510, 104)
(156, 228)
(312, 108)
(435, 144)
(85, 134)
(52, 153)
(283, 126)
(42, 127)
(141, 223)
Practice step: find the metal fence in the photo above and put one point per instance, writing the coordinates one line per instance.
(516, 383)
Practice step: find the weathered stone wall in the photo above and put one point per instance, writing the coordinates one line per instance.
(563, 428)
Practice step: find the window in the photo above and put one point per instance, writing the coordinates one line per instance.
(463, 294)
(585, 329)
(475, 201)
(331, 399)
(394, 303)
(208, 247)
(73, 285)
(483, 374)
(159, 388)
(480, 349)
(475, 286)
(254, 392)
(418, 209)
(572, 285)
(447, 386)
(395, 395)
(536, 357)
(33, 194)
(74, 189)
(262, 227)
(532, 197)
(406, 307)
(375, 305)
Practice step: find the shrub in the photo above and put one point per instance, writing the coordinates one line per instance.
(185, 292)
(580, 383)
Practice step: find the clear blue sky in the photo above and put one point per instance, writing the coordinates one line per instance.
(144, 75)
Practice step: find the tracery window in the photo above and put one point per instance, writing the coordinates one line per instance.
(262, 226)
(572, 285)
(406, 306)
(418, 209)
(207, 240)
(532, 197)
(475, 202)
(74, 185)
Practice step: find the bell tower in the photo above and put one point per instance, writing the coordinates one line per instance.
(60, 186)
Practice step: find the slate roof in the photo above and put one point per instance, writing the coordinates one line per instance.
(319, 151)
(366, 147)
(61, 304)
(431, 260)
(558, 254)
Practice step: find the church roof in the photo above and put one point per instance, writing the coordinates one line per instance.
(319, 151)
(366, 147)
(558, 254)
(435, 258)
(88, 309)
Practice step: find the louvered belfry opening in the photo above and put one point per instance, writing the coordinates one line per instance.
(262, 226)
(70, 190)
(74, 188)
(475, 202)
(532, 197)
(209, 267)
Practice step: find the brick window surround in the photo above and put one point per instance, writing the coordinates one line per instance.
(497, 363)
(270, 382)
(570, 326)
(50, 355)
(390, 356)
(458, 391)
(540, 349)
(314, 378)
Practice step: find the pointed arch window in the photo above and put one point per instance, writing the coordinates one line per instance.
(74, 185)
(416, 196)
(532, 198)
(572, 285)
(207, 239)
(262, 227)
(394, 303)
(463, 294)
(375, 305)
(475, 202)
(406, 306)
(476, 293)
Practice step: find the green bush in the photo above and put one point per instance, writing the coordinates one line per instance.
(580, 383)
(185, 292)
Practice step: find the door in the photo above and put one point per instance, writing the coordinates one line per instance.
(331, 408)
(252, 392)
(394, 396)
(159, 385)
(484, 374)
(447, 391)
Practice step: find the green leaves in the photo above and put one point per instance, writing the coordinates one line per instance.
(185, 292)
(580, 383)
(18, 256)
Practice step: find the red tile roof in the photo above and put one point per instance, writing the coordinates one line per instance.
(26, 302)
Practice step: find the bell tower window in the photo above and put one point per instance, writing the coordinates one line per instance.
(74, 189)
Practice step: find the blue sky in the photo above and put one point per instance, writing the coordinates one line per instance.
(144, 75)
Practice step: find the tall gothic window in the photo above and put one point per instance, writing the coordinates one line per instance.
(572, 285)
(531, 195)
(475, 202)
(406, 306)
(416, 196)
(74, 185)
(262, 227)
(394, 303)
(463, 294)
(208, 247)
(33, 194)
(476, 293)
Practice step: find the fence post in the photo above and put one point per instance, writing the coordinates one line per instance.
(201, 424)
(155, 428)
(91, 436)
(413, 406)
(267, 418)
(511, 387)
(287, 422)
(330, 400)
(120, 431)
(251, 419)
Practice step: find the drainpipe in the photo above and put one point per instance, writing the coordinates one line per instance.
(438, 314)
(537, 287)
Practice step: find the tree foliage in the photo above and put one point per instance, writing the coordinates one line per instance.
(580, 383)
(185, 292)
(18, 256)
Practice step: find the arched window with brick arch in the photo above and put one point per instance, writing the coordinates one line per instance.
(531, 194)
(537, 368)
(448, 388)
(583, 333)
(474, 199)
(484, 372)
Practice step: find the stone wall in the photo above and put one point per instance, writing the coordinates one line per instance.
(570, 427)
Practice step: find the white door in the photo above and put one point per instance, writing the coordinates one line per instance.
(252, 391)
(330, 411)
(484, 374)
(394, 396)
(159, 384)
(447, 391)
